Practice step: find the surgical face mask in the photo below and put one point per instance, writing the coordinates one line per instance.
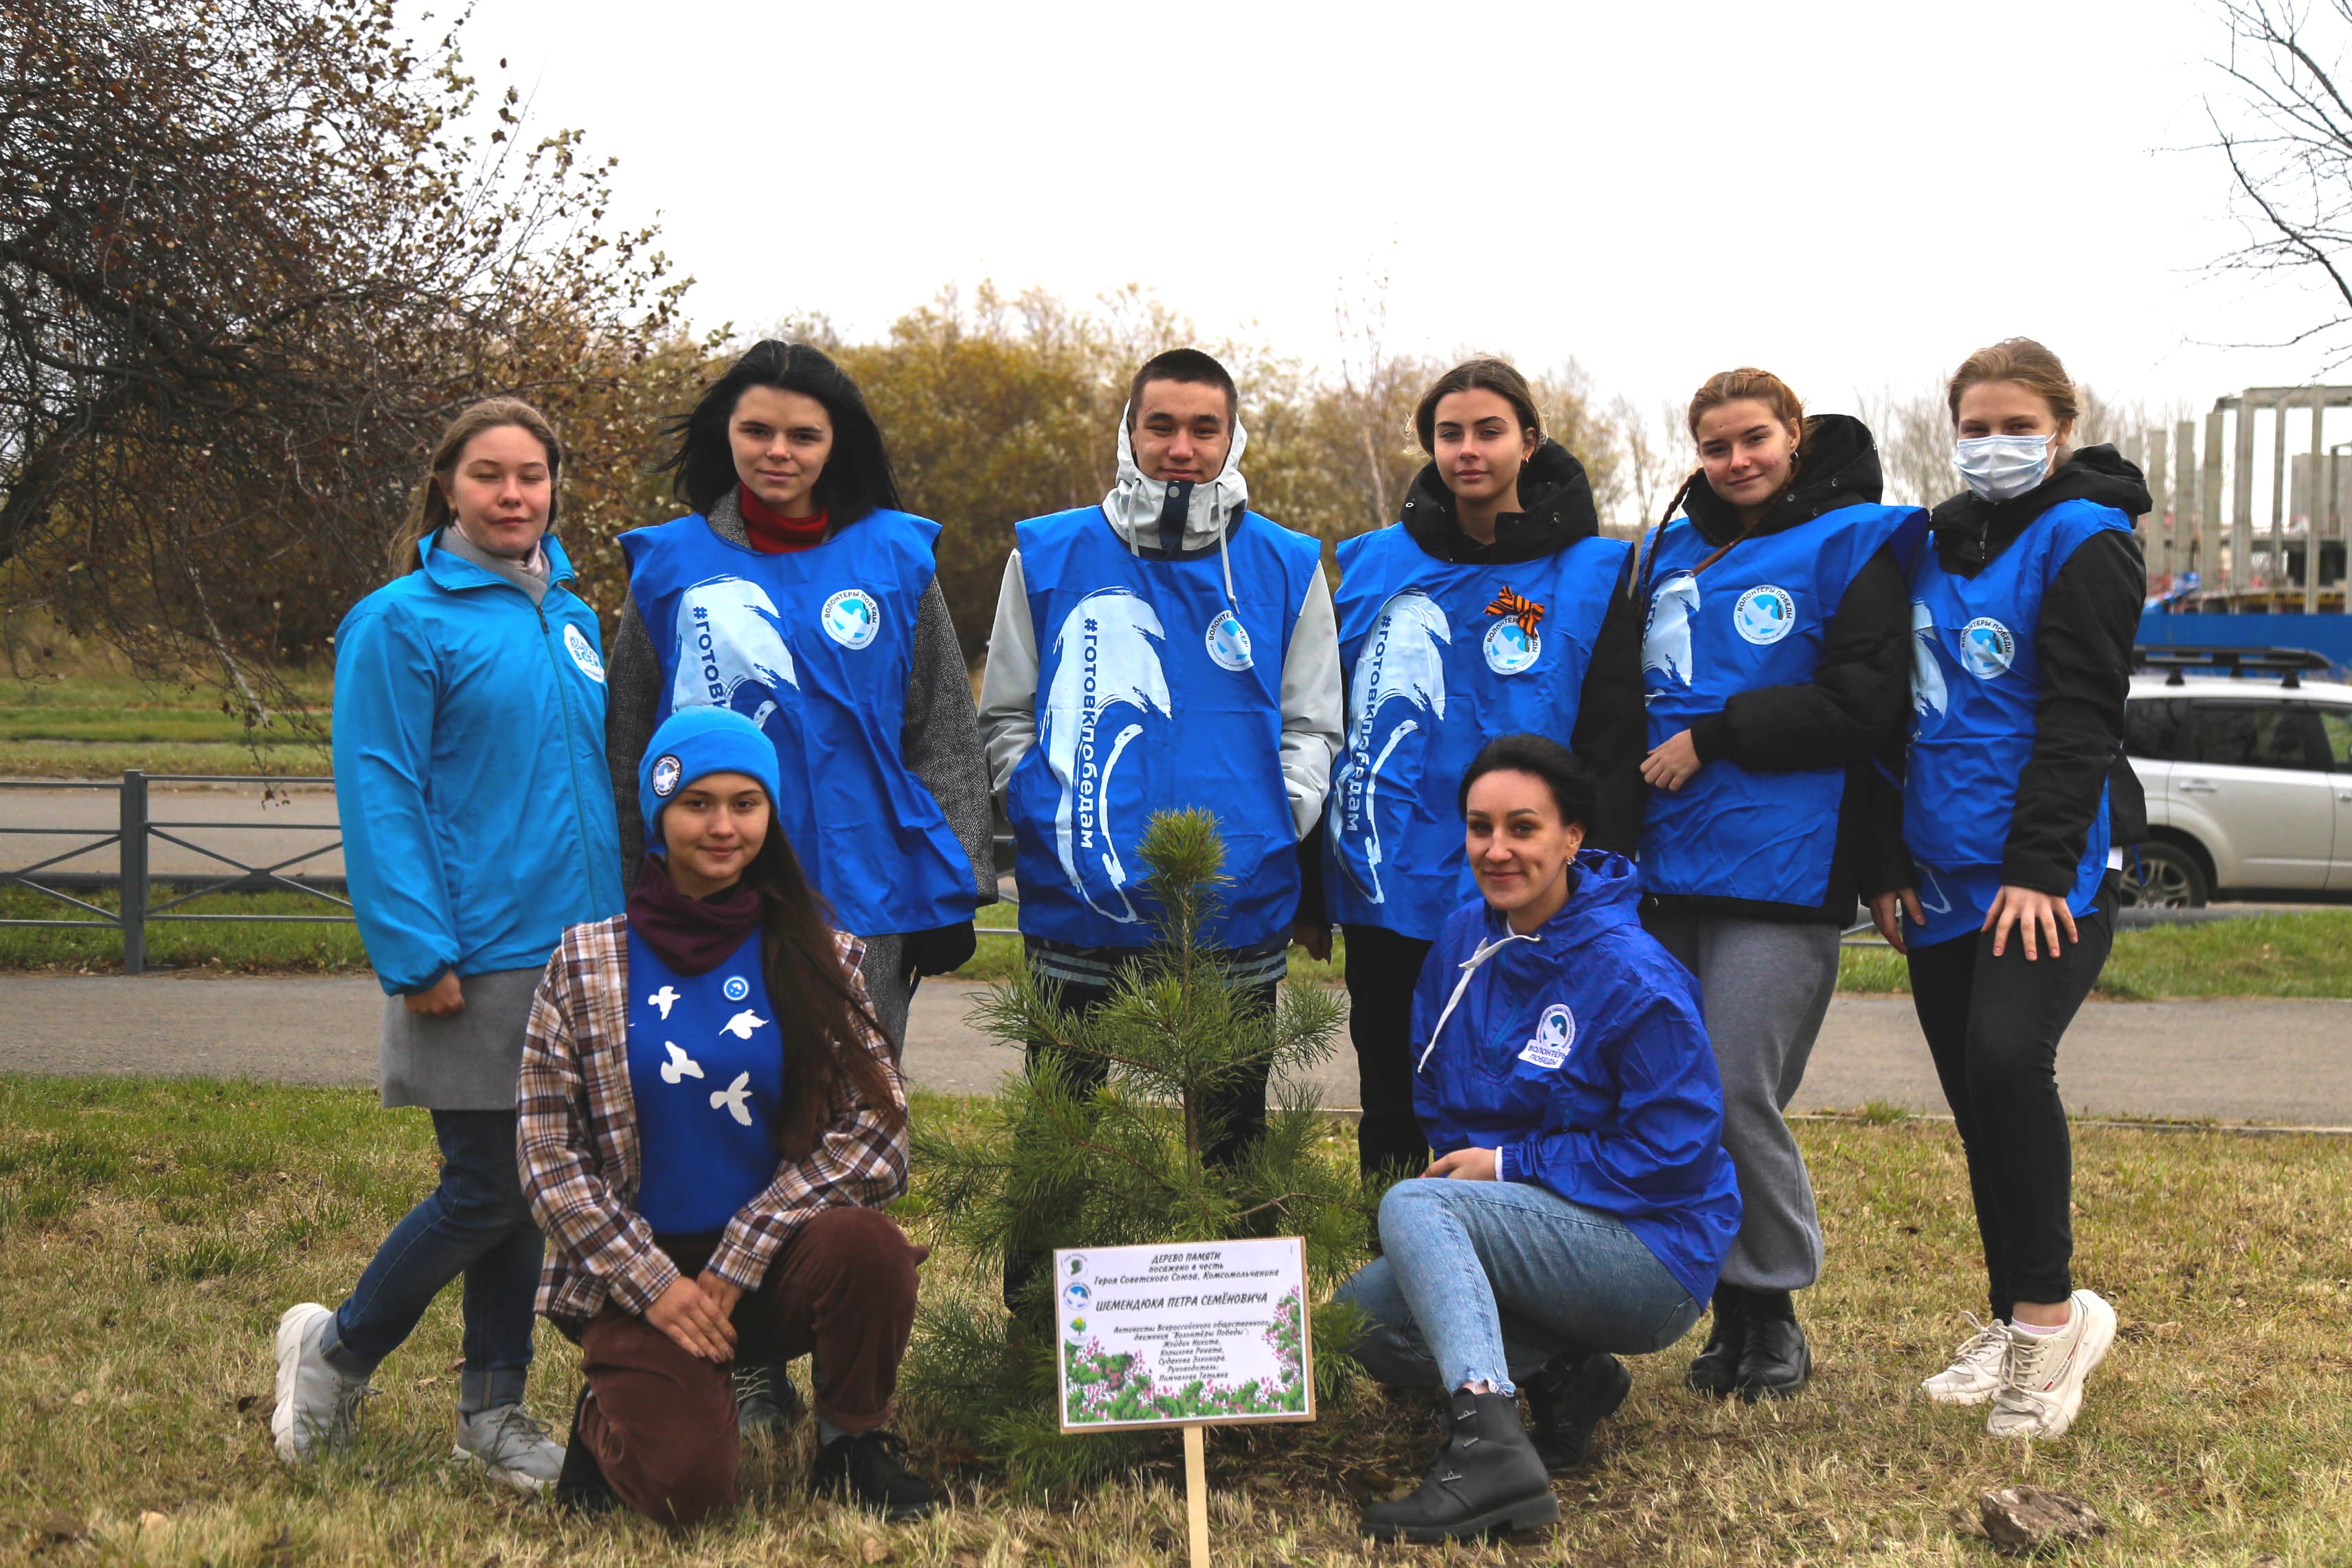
(1999, 467)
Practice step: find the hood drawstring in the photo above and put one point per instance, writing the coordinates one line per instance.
(1469, 967)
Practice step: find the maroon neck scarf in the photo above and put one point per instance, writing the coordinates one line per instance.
(692, 936)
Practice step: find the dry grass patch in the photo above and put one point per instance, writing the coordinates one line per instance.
(150, 1232)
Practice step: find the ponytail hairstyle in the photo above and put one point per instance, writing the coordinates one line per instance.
(1484, 374)
(2030, 366)
(857, 479)
(1731, 386)
(430, 513)
(826, 1063)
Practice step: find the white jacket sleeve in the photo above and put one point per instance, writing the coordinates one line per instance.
(1008, 688)
(1310, 705)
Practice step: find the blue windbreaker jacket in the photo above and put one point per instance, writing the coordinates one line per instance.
(469, 770)
(1577, 1051)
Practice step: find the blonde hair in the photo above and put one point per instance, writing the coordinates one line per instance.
(429, 513)
(2030, 366)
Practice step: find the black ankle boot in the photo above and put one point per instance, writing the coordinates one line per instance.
(1716, 1369)
(1775, 1362)
(1486, 1477)
(1572, 1394)
(580, 1486)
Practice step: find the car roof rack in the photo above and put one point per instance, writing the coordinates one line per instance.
(2291, 664)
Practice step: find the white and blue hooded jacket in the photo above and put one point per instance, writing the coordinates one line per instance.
(1580, 1052)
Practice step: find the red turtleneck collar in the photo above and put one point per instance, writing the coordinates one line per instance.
(774, 534)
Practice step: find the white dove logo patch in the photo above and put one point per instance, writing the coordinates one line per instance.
(665, 999)
(1403, 657)
(735, 1098)
(741, 1024)
(1928, 696)
(679, 1066)
(1666, 644)
(1106, 661)
(730, 650)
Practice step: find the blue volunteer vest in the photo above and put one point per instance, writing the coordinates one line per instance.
(707, 1075)
(1755, 618)
(815, 647)
(1151, 696)
(1438, 663)
(1976, 681)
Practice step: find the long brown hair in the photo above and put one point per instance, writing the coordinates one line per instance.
(1731, 386)
(429, 513)
(810, 990)
(1484, 374)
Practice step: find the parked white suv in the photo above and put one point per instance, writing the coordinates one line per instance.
(2249, 784)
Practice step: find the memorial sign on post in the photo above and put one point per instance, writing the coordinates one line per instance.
(1182, 1335)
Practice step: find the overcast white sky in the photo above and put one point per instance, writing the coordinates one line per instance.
(1851, 194)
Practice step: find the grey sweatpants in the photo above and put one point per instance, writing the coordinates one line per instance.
(1764, 989)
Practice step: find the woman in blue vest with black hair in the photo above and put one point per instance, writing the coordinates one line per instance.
(1492, 606)
(1774, 663)
(2016, 793)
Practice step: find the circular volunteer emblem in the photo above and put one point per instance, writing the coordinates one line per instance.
(664, 777)
(851, 618)
(736, 988)
(1764, 614)
(1229, 641)
(576, 644)
(1987, 647)
(1077, 1296)
(1558, 1026)
(1511, 647)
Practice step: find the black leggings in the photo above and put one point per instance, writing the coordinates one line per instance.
(1992, 1025)
(1383, 967)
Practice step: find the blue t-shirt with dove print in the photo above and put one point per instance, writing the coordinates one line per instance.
(707, 1072)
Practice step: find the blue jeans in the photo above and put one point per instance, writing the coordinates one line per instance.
(1491, 1279)
(476, 1224)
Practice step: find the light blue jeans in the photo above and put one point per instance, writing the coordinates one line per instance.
(1491, 1279)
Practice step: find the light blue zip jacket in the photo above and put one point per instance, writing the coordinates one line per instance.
(469, 770)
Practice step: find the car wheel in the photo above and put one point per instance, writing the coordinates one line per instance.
(2163, 876)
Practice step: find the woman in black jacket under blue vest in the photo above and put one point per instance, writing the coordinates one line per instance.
(2016, 794)
(1774, 665)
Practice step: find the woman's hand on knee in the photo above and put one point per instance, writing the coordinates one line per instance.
(2038, 916)
(1466, 1165)
(694, 1321)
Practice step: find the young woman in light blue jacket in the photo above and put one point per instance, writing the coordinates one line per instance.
(477, 824)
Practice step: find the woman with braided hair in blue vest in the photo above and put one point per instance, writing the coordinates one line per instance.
(1774, 662)
(2016, 793)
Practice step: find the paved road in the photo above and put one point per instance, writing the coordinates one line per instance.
(2236, 1060)
(296, 822)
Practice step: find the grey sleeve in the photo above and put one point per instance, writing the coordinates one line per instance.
(1310, 706)
(1008, 690)
(941, 741)
(631, 698)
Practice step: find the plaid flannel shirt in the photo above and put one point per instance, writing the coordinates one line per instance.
(577, 1142)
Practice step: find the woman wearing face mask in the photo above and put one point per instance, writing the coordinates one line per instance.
(1774, 662)
(2015, 793)
(1492, 606)
(1582, 1199)
(798, 594)
(710, 1126)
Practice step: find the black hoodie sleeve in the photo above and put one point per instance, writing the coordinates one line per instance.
(1611, 732)
(1859, 692)
(2090, 615)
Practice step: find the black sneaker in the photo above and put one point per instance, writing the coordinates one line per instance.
(766, 1404)
(580, 1487)
(1716, 1369)
(865, 1468)
(1572, 1394)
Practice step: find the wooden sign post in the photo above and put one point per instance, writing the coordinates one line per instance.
(1187, 1334)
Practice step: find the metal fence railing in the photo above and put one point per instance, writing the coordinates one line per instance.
(135, 830)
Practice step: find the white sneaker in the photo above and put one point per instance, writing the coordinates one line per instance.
(1975, 1372)
(511, 1445)
(317, 1405)
(2042, 1381)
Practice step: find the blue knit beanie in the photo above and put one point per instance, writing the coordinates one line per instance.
(694, 742)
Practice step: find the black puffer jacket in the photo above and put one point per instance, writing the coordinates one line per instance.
(1555, 499)
(1860, 696)
(2090, 618)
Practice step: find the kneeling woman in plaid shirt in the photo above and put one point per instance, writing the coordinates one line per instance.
(710, 1122)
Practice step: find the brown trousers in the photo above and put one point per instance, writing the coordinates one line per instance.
(661, 1420)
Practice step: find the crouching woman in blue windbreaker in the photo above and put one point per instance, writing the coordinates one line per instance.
(1581, 1200)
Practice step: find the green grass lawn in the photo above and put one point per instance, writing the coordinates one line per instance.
(2307, 953)
(150, 1232)
(88, 726)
